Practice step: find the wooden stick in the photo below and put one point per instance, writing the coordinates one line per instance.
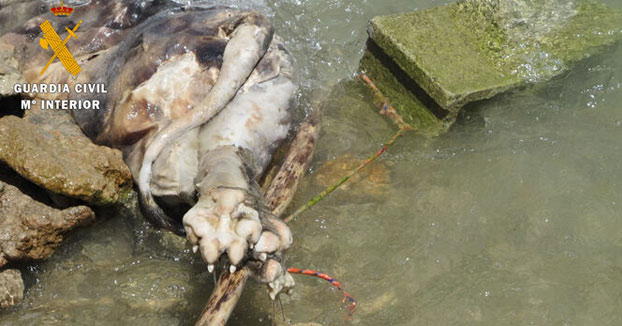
(297, 160)
(224, 298)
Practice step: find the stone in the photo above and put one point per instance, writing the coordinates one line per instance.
(48, 149)
(154, 285)
(15, 12)
(30, 229)
(472, 50)
(408, 99)
(11, 288)
(9, 73)
(371, 181)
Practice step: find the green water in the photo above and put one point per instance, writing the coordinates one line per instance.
(511, 218)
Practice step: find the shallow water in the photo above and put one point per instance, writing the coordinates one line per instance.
(511, 218)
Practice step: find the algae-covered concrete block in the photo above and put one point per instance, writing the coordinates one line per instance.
(413, 105)
(474, 49)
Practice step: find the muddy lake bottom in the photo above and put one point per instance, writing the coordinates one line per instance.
(510, 218)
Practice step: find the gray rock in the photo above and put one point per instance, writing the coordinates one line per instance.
(14, 12)
(11, 288)
(9, 74)
(30, 229)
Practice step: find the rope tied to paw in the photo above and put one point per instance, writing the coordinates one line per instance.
(230, 285)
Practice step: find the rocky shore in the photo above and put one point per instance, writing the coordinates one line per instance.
(50, 173)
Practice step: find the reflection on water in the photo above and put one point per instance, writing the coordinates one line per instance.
(511, 218)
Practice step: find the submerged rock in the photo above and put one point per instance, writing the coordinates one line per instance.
(371, 181)
(49, 149)
(11, 288)
(30, 229)
(430, 63)
(154, 285)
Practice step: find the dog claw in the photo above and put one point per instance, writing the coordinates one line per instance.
(232, 269)
(210, 268)
(195, 248)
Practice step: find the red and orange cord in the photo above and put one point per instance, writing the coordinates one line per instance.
(348, 299)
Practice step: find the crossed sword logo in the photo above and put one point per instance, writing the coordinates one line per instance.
(51, 39)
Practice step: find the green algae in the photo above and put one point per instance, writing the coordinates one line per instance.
(410, 108)
(537, 40)
(475, 49)
(432, 48)
(595, 28)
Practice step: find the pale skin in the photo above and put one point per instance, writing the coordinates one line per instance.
(197, 126)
